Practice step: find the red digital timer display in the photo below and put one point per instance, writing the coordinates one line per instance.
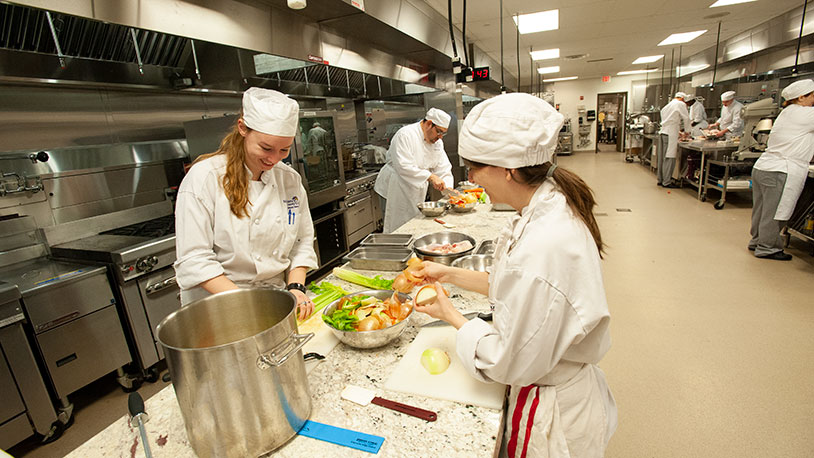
(480, 73)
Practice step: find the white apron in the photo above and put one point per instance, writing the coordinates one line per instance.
(795, 181)
(401, 198)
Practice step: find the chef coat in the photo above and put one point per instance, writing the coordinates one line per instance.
(671, 115)
(789, 150)
(731, 119)
(698, 115)
(550, 328)
(252, 251)
(403, 179)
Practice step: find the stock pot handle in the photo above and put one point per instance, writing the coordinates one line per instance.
(280, 354)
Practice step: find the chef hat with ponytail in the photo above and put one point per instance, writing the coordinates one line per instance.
(510, 130)
(797, 89)
(270, 112)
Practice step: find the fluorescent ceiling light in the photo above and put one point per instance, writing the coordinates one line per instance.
(545, 54)
(544, 70)
(685, 37)
(565, 78)
(648, 59)
(636, 72)
(729, 2)
(538, 22)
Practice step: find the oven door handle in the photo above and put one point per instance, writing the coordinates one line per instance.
(158, 286)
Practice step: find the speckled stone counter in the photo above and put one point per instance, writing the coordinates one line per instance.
(460, 431)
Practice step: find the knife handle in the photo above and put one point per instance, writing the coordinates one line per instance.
(404, 408)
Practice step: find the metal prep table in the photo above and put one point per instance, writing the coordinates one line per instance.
(706, 148)
(710, 181)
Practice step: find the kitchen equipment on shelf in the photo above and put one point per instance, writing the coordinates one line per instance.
(442, 238)
(454, 384)
(238, 371)
(397, 240)
(477, 262)
(379, 258)
(135, 405)
(651, 127)
(433, 208)
(370, 339)
(364, 397)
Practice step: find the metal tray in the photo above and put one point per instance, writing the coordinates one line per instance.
(388, 240)
(379, 258)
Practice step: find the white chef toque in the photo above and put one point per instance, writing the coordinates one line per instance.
(728, 95)
(689, 97)
(798, 88)
(438, 117)
(681, 95)
(270, 112)
(510, 130)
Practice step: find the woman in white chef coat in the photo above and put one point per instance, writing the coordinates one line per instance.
(242, 216)
(672, 115)
(779, 175)
(415, 160)
(730, 124)
(551, 317)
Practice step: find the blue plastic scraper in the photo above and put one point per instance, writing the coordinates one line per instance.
(340, 436)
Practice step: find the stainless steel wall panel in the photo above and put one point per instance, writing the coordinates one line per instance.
(101, 207)
(139, 116)
(292, 36)
(79, 189)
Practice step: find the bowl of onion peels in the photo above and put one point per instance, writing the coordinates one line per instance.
(369, 319)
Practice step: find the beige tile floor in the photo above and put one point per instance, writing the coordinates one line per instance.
(713, 349)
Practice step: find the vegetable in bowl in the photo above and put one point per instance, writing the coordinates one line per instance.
(367, 313)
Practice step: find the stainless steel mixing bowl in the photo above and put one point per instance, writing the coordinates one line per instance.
(478, 262)
(369, 339)
(432, 208)
(442, 238)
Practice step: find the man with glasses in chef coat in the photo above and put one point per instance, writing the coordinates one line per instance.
(415, 160)
(730, 123)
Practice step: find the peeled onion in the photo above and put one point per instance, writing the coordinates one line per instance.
(435, 360)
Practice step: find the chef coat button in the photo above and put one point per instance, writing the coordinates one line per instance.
(257, 257)
(257, 221)
(274, 252)
(279, 219)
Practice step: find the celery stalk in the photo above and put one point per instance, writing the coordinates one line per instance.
(374, 283)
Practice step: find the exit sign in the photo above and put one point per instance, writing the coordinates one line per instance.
(606, 79)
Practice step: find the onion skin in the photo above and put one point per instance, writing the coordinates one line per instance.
(401, 284)
(370, 323)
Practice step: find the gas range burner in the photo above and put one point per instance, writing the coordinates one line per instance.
(158, 227)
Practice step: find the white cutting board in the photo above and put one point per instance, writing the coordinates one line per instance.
(455, 384)
(323, 341)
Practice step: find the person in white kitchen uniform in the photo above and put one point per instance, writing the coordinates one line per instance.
(698, 116)
(730, 124)
(780, 173)
(242, 216)
(415, 160)
(551, 318)
(672, 115)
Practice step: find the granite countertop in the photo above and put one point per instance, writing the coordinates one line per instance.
(461, 430)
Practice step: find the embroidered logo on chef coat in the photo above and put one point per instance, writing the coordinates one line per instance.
(292, 205)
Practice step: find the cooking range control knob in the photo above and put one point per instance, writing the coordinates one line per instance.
(147, 263)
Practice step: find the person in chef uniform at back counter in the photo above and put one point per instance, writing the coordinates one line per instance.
(242, 215)
(415, 160)
(698, 116)
(730, 124)
(780, 173)
(671, 132)
(551, 316)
